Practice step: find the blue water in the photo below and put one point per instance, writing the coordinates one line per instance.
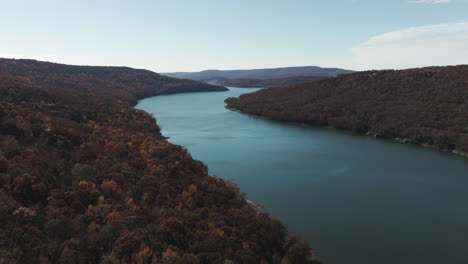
(356, 199)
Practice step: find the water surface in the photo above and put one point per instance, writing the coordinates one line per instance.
(355, 198)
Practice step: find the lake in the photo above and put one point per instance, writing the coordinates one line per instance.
(355, 198)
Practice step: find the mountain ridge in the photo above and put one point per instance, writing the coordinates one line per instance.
(266, 83)
(267, 73)
(127, 83)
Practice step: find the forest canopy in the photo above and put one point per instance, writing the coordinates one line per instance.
(425, 106)
(86, 178)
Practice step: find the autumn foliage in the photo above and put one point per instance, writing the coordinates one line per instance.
(426, 106)
(86, 178)
(111, 83)
(247, 82)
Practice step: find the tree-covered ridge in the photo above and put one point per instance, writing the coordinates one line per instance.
(120, 83)
(263, 83)
(426, 106)
(86, 178)
(261, 74)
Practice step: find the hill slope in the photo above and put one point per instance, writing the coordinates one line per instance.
(263, 83)
(427, 106)
(86, 178)
(112, 82)
(260, 73)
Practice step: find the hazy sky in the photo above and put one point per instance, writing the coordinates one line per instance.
(192, 35)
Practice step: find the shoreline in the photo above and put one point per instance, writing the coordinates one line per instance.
(256, 207)
(312, 255)
(396, 140)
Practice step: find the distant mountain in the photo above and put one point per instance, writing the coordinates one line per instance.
(263, 83)
(426, 106)
(260, 73)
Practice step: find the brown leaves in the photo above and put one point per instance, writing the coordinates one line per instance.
(173, 231)
(423, 106)
(86, 178)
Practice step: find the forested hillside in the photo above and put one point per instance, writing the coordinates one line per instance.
(426, 106)
(86, 178)
(263, 83)
(114, 83)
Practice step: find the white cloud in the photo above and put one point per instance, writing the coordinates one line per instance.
(431, 1)
(442, 44)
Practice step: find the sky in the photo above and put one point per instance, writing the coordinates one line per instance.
(194, 35)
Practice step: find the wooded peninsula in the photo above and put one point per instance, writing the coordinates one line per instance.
(424, 106)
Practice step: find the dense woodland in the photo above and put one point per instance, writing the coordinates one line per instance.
(263, 83)
(86, 178)
(425, 106)
(111, 83)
